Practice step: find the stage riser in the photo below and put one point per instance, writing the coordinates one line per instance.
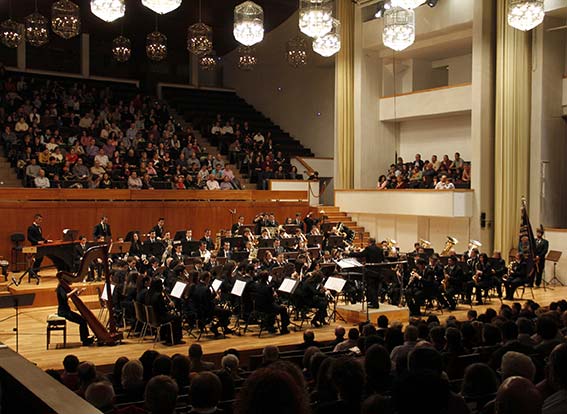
(355, 317)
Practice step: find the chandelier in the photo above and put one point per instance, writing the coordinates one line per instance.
(65, 19)
(208, 62)
(246, 58)
(121, 49)
(525, 14)
(199, 39)
(399, 28)
(248, 23)
(37, 29)
(315, 17)
(296, 52)
(407, 4)
(162, 6)
(108, 10)
(156, 46)
(11, 32)
(329, 44)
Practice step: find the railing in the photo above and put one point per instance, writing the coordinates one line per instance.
(52, 194)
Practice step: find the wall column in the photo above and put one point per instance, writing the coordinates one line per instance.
(21, 55)
(482, 123)
(344, 99)
(512, 129)
(85, 55)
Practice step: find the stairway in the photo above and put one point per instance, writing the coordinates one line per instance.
(335, 215)
(8, 177)
(205, 143)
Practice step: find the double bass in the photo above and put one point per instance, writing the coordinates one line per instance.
(104, 336)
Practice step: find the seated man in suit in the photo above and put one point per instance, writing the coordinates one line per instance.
(208, 240)
(203, 252)
(159, 228)
(517, 277)
(202, 300)
(225, 251)
(156, 300)
(263, 295)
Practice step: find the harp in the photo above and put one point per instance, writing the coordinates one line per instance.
(104, 335)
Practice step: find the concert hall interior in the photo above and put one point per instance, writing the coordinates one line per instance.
(284, 206)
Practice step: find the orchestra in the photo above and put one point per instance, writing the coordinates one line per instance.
(421, 279)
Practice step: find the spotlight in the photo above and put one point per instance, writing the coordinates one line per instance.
(382, 7)
(432, 3)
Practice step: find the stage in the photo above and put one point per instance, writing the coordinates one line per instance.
(32, 328)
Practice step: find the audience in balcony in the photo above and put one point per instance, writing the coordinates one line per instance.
(428, 174)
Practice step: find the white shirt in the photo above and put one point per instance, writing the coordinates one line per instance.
(41, 182)
(213, 185)
(259, 137)
(444, 186)
(216, 130)
(227, 129)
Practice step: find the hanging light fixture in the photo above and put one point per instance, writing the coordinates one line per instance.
(162, 6)
(199, 37)
(296, 51)
(329, 44)
(121, 49)
(248, 23)
(407, 4)
(315, 17)
(65, 19)
(108, 10)
(156, 46)
(525, 14)
(36, 28)
(208, 62)
(10, 30)
(246, 58)
(399, 28)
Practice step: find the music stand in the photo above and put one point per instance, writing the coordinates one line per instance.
(238, 291)
(554, 256)
(70, 235)
(335, 284)
(119, 248)
(15, 301)
(288, 286)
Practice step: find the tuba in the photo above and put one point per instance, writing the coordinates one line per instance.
(426, 244)
(472, 245)
(451, 241)
(392, 247)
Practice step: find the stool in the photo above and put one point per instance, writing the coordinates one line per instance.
(56, 323)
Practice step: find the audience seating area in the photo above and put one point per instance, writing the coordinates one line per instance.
(259, 148)
(57, 134)
(427, 174)
(516, 357)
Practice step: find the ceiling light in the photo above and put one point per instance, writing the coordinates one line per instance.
(248, 23)
(525, 14)
(296, 51)
(407, 4)
(162, 6)
(65, 19)
(11, 32)
(208, 62)
(199, 39)
(108, 10)
(156, 46)
(37, 29)
(399, 28)
(329, 44)
(246, 58)
(121, 49)
(315, 17)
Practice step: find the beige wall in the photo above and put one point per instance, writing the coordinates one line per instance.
(301, 100)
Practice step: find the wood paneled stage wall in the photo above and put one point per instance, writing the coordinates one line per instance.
(137, 210)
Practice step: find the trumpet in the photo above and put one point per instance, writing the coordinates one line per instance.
(451, 241)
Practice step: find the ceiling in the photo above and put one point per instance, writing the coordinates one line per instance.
(139, 20)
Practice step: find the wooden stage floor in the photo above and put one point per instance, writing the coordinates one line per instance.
(32, 338)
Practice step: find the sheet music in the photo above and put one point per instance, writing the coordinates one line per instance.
(104, 294)
(288, 285)
(178, 289)
(238, 288)
(217, 283)
(335, 284)
(348, 263)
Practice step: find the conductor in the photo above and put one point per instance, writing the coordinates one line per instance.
(372, 254)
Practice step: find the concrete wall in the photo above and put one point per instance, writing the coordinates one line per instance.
(300, 100)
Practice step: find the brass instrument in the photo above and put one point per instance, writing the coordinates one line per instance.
(392, 244)
(472, 245)
(445, 281)
(511, 266)
(272, 231)
(413, 277)
(451, 241)
(426, 244)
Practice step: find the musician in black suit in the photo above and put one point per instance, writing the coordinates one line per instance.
(102, 229)
(188, 236)
(372, 254)
(159, 228)
(453, 281)
(208, 240)
(64, 310)
(177, 254)
(263, 295)
(225, 251)
(416, 288)
(202, 300)
(236, 226)
(79, 251)
(35, 237)
(164, 313)
(309, 222)
(541, 249)
(517, 277)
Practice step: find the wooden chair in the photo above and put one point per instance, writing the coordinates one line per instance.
(141, 320)
(153, 323)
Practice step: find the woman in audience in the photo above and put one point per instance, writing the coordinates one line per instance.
(382, 183)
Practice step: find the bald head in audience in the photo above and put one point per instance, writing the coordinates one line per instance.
(518, 395)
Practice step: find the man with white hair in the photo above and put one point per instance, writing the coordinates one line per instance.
(516, 364)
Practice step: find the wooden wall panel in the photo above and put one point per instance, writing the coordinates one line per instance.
(132, 215)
